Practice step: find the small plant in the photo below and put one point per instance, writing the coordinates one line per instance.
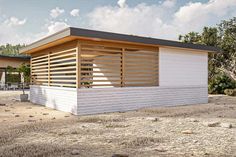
(229, 92)
(25, 70)
(221, 82)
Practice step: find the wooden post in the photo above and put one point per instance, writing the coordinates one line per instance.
(31, 77)
(78, 65)
(158, 67)
(123, 68)
(49, 75)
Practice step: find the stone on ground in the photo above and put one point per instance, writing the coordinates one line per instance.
(212, 124)
(226, 125)
(187, 132)
(120, 155)
(75, 152)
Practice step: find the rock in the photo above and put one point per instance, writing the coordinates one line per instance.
(66, 116)
(187, 132)
(226, 125)
(153, 119)
(7, 110)
(53, 118)
(17, 115)
(193, 120)
(2, 104)
(120, 155)
(31, 116)
(109, 141)
(74, 132)
(161, 150)
(45, 113)
(195, 141)
(211, 124)
(75, 152)
(31, 120)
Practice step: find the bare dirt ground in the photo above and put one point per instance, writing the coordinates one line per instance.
(32, 130)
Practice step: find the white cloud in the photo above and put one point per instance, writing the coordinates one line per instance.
(122, 3)
(74, 12)
(169, 3)
(54, 13)
(195, 15)
(13, 21)
(139, 20)
(56, 26)
(12, 36)
(157, 21)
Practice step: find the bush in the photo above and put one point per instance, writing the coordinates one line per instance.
(219, 83)
(230, 92)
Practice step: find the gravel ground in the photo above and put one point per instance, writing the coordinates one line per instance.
(32, 130)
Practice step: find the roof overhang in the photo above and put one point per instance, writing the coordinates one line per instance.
(71, 33)
(15, 57)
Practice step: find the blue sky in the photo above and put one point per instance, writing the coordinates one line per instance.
(24, 21)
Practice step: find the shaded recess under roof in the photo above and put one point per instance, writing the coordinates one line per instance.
(15, 57)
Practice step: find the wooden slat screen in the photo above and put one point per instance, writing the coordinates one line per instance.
(39, 69)
(95, 65)
(118, 66)
(55, 68)
(100, 66)
(141, 67)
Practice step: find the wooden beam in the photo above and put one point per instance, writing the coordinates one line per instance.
(49, 68)
(78, 65)
(123, 68)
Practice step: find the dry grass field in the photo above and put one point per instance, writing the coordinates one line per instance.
(32, 130)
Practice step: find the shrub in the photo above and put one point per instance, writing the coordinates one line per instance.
(219, 83)
(229, 92)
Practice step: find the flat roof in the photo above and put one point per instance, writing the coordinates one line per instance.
(93, 34)
(15, 57)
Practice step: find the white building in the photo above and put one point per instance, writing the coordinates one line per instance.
(87, 72)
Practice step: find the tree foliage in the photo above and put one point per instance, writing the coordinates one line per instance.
(223, 36)
(9, 49)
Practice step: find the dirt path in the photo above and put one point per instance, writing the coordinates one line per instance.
(33, 130)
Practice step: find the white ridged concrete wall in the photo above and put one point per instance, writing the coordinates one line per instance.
(183, 80)
(91, 101)
(63, 99)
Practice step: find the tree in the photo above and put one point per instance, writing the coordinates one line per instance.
(191, 37)
(227, 30)
(12, 50)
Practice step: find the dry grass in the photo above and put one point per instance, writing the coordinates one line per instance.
(141, 142)
(100, 119)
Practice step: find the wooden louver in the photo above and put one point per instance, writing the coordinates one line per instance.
(95, 65)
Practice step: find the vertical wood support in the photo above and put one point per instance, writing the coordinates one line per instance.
(49, 75)
(31, 77)
(123, 68)
(158, 66)
(78, 65)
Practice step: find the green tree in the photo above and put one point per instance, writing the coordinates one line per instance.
(12, 50)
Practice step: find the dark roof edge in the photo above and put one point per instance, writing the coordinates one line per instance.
(139, 39)
(71, 31)
(17, 57)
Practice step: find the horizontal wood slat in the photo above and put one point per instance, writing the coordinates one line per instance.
(52, 68)
(100, 64)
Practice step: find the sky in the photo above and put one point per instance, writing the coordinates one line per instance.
(25, 21)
